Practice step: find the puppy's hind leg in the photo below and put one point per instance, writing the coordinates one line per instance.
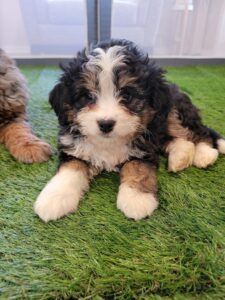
(221, 145)
(205, 155)
(207, 150)
(23, 144)
(188, 122)
(181, 153)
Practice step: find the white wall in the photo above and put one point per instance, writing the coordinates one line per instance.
(13, 36)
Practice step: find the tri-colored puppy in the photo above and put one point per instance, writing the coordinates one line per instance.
(15, 131)
(117, 112)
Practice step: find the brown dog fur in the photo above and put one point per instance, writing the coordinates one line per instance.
(139, 175)
(15, 131)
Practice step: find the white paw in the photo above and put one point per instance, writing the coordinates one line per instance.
(181, 155)
(61, 195)
(54, 204)
(221, 146)
(205, 155)
(135, 204)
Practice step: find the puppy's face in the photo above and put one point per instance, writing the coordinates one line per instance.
(111, 104)
(105, 95)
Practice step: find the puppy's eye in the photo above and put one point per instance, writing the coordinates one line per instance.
(85, 100)
(90, 98)
(127, 98)
(133, 102)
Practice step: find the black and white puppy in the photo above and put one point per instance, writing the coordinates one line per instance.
(117, 112)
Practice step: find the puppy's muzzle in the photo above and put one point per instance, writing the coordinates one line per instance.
(106, 126)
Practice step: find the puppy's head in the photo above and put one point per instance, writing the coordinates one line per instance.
(111, 93)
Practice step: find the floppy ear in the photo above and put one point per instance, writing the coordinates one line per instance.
(160, 102)
(60, 97)
(56, 98)
(59, 100)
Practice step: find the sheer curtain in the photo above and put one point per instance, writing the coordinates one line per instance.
(33, 28)
(172, 28)
(165, 28)
(55, 26)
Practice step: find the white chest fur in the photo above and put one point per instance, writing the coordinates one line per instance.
(104, 154)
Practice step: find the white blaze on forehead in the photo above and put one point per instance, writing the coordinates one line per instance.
(106, 61)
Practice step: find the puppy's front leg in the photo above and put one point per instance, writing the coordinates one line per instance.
(137, 191)
(63, 192)
(23, 144)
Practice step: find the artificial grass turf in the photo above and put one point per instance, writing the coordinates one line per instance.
(96, 253)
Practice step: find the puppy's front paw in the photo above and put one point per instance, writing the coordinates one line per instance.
(135, 204)
(54, 204)
(61, 195)
(33, 150)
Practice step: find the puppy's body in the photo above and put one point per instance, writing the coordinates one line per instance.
(117, 112)
(15, 131)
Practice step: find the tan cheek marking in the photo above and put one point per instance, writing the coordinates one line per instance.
(71, 115)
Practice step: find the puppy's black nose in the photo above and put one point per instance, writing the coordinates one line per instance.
(106, 125)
